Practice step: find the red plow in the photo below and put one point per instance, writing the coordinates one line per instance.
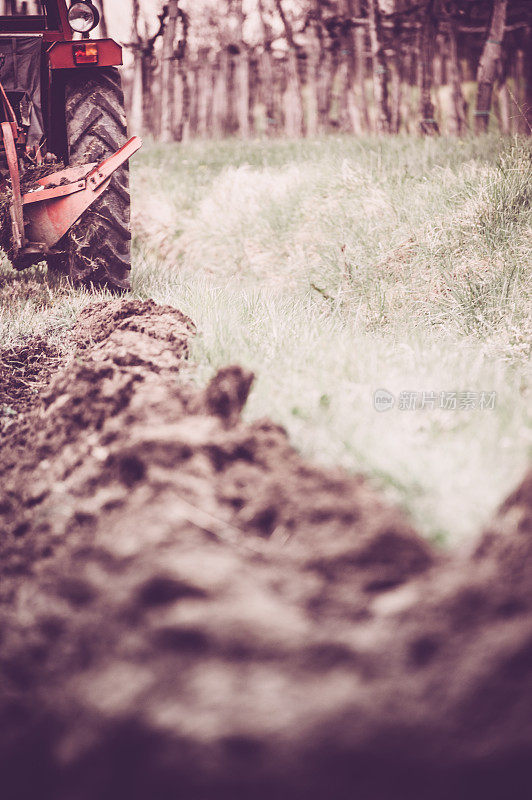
(43, 215)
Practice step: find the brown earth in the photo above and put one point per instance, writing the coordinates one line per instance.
(24, 371)
(190, 610)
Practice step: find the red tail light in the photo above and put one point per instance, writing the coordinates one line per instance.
(85, 53)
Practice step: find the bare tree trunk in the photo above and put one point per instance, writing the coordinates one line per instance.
(359, 38)
(407, 112)
(184, 126)
(397, 84)
(268, 90)
(242, 83)
(179, 104)
(352, 116)
(192, 80)
(242, 78)
(326, 73)
(232, 110)
(181, 87)
(520, 91)
(220, 99)
(380, 85)
(104, 29)
(313, 60)
(204, 93)
(427, 124)
(136, 114)
(267, 74)
(458, 120)
(316, 59)
(150, 109)
(344, 74)
(167, 67)
(528, 78)
(489, 64)
(342, 81)
(293, 105)
(254, 92)
(437, 71)
(325, 66)
(504, 106)
(293, 97)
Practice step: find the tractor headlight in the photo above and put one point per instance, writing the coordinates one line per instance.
(83, 17)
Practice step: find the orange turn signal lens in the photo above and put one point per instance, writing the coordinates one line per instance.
(85, 54)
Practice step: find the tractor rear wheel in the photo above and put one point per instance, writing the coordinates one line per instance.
(97, 249)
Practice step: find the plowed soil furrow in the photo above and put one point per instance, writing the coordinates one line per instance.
(190, 610)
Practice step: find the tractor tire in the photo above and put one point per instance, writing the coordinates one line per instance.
(97, 249)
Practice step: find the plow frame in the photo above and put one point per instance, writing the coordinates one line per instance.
(41, 217)
(60, 199)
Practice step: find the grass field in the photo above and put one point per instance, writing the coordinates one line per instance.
(335, 268)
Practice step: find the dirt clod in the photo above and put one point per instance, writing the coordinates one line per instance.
(189, 609)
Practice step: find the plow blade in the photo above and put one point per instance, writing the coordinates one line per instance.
(60, 199)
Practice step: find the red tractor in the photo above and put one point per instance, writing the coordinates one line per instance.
(63, 142)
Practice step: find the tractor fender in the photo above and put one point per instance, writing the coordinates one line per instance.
(91, 53)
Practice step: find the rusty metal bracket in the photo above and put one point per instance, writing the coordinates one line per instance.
(38, 195)
(107, 167)
(17, 216)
